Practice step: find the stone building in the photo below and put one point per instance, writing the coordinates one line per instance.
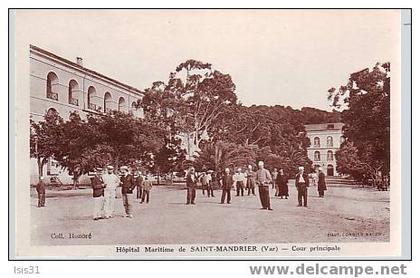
(325, 141)
(58, 85)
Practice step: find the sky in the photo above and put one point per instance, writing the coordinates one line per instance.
(275, 57)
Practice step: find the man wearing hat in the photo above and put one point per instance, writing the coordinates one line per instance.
(138, 181)
(191, 180)
(227, 183)
(263, 180)
(40, 189)
(250, 180)
(127, 186)
(322, 185)
(98, 187)
(111, 182)
(239, 180)
(302, 184)
(206, 182)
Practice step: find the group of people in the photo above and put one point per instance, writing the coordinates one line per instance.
(105, 185)
(248, 180)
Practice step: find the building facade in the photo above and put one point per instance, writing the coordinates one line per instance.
(58, 85)
(325, 141)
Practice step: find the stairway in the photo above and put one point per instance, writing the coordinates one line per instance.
(340, 182)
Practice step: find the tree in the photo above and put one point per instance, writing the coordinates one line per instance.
(221, 155)
(169, 158)
(194, 98)
(43, 139)
(128, 139)
(78, 148)
(365, 101)
(276, 131)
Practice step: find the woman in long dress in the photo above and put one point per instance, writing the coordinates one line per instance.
(281, 182)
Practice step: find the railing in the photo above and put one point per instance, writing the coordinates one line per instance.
(74, 101)
(52, 95)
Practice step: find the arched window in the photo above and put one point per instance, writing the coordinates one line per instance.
(107, 102)
(329, 141)
(52, 116)
(316, 142)
(134, 106)
(121, 104)
(91, 95)
(317, 156)
(52, 86)
(52, 112)
(330, 156)
(73, 88)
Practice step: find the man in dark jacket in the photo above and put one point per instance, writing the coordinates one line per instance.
(127, 186)
(98, 187)
(227, 183)
(138, 182)
(191, 180)
(302, 184)
(40, 189)
(322, 185)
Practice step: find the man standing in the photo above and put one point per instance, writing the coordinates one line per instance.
(111, 182)
(138, 182)
(263, 180)
(191, 180)
(207, 183)
(147, 186)
(322, 185)
(250, 180)
(274, 176)
(227, 183)
(40, 189)
(98, 187)
(302, 183)
(127, 186)
(239, 180)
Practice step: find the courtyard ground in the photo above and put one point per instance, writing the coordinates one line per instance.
(345, 214)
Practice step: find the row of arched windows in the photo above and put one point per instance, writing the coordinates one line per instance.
(317, 142)
(317, 156)
(330, 142)
(73, 89)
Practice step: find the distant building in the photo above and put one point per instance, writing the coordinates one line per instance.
(58, 85)
(325, 141)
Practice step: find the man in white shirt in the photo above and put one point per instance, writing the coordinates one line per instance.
(302, 183)
(263, 180)
(206, 183)
(111, 182)
(239, 180)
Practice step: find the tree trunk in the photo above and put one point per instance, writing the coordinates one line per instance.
(41, 164)
(75, 181)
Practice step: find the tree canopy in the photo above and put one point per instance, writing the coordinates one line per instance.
(365, 101)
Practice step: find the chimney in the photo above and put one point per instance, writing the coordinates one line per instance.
(79, 61)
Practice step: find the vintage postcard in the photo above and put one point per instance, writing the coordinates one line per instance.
(206, 134)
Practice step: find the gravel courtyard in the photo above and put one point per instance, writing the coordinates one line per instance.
(345, 214)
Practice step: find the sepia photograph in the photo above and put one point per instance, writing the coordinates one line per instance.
(197, 133)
